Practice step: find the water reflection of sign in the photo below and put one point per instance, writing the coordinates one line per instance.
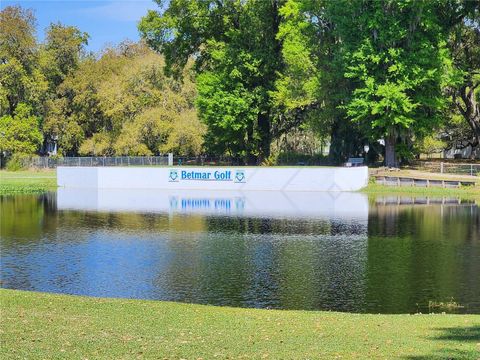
(269, 204)
(217, 204)
(176, 175)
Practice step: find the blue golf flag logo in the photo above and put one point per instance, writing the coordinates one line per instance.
(240, 176)
(173, 176)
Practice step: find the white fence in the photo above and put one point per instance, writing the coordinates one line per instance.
(448, 167)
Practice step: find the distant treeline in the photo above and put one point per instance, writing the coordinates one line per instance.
(249, 79)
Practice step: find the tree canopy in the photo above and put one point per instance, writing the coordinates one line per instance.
(237, 57)
(464, 41)
(245, 77)
(356, 71)
(124, 104)
(118, 102)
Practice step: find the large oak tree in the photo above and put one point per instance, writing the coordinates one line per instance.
(237, 54)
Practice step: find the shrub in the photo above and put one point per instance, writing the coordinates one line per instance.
(270, 161)
(18, 161)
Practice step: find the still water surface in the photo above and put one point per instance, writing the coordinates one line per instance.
(341, 252)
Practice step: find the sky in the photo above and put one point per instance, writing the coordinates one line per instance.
(107, 22)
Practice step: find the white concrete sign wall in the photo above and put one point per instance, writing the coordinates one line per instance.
(215, 178)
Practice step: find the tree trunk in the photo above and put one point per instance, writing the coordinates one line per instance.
(470, 109)
(335, 155)
(390, 155)
(251, 159)
(474, 122)
(265, 137)
(476, 130)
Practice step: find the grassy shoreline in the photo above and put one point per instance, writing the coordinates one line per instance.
(467, 193)
(41, 325)
(27, 181)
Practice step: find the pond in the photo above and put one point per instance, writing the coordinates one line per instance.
(313, 251)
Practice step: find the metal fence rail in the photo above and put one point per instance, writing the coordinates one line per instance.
(48, 162)
(51, 162)
(207, 161)
(448, 167)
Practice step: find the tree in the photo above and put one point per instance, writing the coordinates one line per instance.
(61, 53)
(237, 56)
(464, 43)
(100, 144)
(368, 69)
(20, 133)
(20, 79)
(30, 74)
(312, 85)
(124, 104)
(431, 145)
(17, 36)
(397, 59)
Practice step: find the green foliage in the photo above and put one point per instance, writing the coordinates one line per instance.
(371, 69)
(30, 74)
(20, 79)
(313, 82)
(456, 131)
(123, 104)
(17, 35)
(270, 161)
(186, 135)
(395, 55)
(56, 156)
(127, 142)
(236, 75)
(237, 57)
(464, 42)
(300, 82)
(16, 162)
(431, 145)
(100, 144)
(61, 52)
(405, 152)
(20, 133)
(229, 113)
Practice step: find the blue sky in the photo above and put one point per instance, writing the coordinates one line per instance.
(107, 22)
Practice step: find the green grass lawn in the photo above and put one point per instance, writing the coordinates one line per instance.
(27, 182)
(47, 326)
(466, 192)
